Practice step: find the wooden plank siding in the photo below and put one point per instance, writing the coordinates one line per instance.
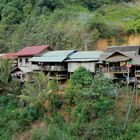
(72, 66)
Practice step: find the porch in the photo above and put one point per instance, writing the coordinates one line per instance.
(115, 69)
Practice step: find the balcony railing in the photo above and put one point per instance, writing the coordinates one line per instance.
(116, 69)
(58, 68)
(119, 69)
(137, 73)
(54, 68)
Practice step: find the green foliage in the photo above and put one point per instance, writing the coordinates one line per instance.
(51, 4)
(78, 86)
(103, 105)
(35, 94)
(7, 85)
(13, 118)
(131, 133)
(55, 101)
(94, 4)
(94, 100)
(53, 132)
(81, 77)
(64, 24)
(39, 134)
(11, 15)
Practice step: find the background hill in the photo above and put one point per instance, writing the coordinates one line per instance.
(68, 24)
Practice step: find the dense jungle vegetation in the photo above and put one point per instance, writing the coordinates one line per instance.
(87, 109)
(65, 23)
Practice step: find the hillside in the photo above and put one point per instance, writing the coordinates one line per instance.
(66, 24)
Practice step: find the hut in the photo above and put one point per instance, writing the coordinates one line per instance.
(22, 73)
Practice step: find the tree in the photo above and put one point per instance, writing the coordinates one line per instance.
(51, 4)
(8, 85)
(35, 94)
(42, 92)
(81, 77)
(93, 103)
(11, 15)
(4, 76)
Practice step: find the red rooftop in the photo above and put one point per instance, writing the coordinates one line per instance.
(31, 51)
(9, 56)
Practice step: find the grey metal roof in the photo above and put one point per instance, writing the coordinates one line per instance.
(128, 55)
(22, 69)
(136, 60)
(111, 49)
(53, 56)
(25, 69)
(82, 60)
(118, 58)
(85, 56)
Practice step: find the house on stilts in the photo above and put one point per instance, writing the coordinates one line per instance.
(121, 62)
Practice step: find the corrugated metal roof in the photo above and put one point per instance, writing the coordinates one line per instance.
(9, 56)
(22, 69)
(136, 60)
(111, 49)
(31, 51)
(1, 55)
(85, 56)
(111, 58)
(82, 60)
(53, 56)
(25, 69)
(118, 58)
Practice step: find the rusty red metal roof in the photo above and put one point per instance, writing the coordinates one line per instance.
(9, 56)
(31, 51)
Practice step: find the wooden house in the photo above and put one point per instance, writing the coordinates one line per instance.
(24, 66)
(53, 63)
(117, 62)
(87, 59)
(28, 52)
(136, 66)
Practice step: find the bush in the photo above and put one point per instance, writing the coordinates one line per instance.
(52, 133)
(82, 77)
(55, 101)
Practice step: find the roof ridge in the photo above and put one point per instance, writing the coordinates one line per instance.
(124, 46)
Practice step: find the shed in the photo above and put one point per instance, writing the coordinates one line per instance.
(22, 73)
(85, 59)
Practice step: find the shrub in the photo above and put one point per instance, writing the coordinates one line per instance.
(81, 77)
